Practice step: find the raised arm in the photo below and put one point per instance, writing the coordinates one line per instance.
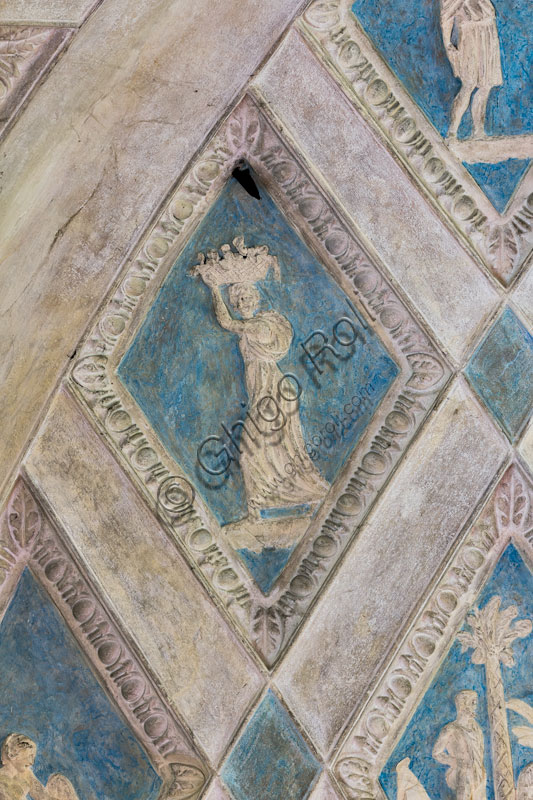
(448, 10)
(222, 314)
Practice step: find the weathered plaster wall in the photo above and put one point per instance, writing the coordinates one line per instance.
(124, 123)
(90, 159)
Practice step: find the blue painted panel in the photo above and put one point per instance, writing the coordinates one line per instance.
(50, 694)
(513, 582)
(266, 566)
(187, 373)
(271, 759)
(499, 181)
(408, 34)
(501, 371)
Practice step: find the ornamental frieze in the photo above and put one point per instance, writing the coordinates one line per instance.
(258, 376)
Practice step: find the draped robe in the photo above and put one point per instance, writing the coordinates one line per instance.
(475, 55)
(268, 480)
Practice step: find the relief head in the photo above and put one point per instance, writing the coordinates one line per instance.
(466, 703)
(245, 298)
(18, 752)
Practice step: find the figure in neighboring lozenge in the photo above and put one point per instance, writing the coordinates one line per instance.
(470, 36)
(460, 746)
(58, 787)
(524, 735)
(17, 780)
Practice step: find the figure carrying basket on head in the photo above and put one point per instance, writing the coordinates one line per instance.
(264, 339)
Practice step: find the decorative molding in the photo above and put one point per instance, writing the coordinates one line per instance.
(250, 135)
(19, 530)
(27, 539)
(503, 242)
(507, 517)
(25, 55)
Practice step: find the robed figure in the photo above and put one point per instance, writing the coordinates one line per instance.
(460, 746)
(470, 36)
(264, 339)
(276, 469)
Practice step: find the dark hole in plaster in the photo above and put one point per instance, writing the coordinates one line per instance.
(242, 175)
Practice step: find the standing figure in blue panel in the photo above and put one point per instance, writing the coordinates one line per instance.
(461, 748)
(272, 438)
(472, 44)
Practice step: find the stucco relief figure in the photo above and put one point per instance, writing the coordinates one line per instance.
(272, 437)
(490, 632)
(524, 736)
(58, 787)
(409, 787)
(472, 44)
(460, 746)
(264, 339)
(17, 781)
(524, 784)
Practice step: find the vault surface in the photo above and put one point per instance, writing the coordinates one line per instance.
(267, 498)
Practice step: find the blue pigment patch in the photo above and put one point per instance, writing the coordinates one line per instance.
(499, 181)
(292, 511)
(409, 37)
(265, 567)
(501, 372)
(513, 582)
(187, 374)
(50, 694)
(271, 759)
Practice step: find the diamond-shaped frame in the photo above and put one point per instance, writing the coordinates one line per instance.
(29, 540)
(500, 371)
(270, 758)
(502, 242)
(372, 736)
(252, 134)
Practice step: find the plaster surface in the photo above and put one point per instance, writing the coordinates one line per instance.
(217, 791)
(419, 517)
(58, 12)
(324, 790)
(526, 446)
(175, 624)
(443, 282)
(118, 118)
(299, 671)
(523, 295)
